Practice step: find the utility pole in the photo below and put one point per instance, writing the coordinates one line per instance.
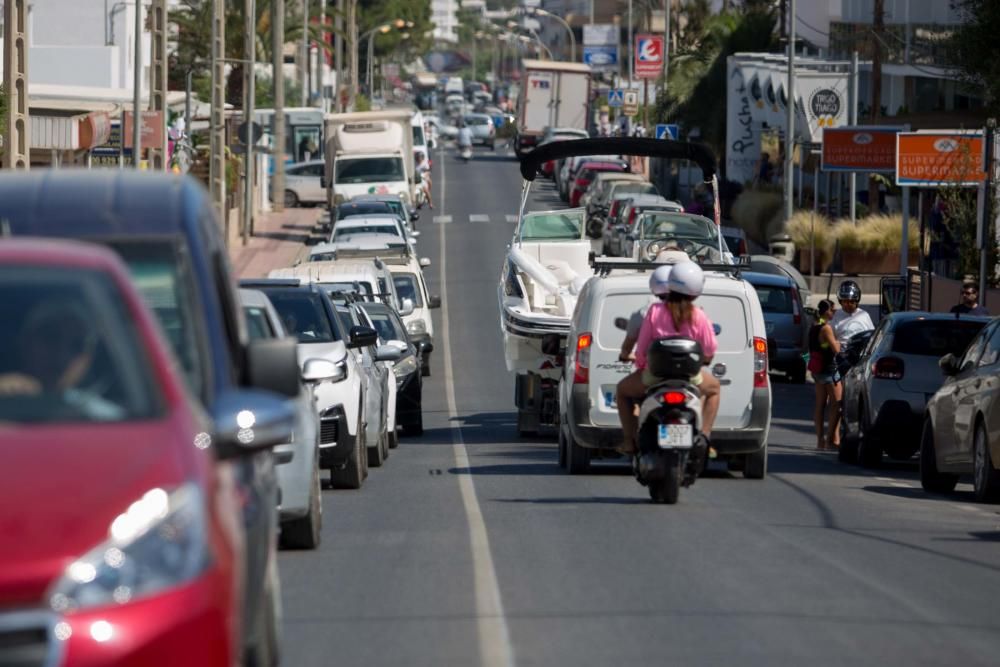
(304, 55)
(989, 151)
(352, 24)
(137, 87)
(666, 41)
(631, 48)
(278, 121)
(158, 82)
(17, 142)
(250, 76)
(852, 119)
(338, 53)
(878, 27)
(790, 118)
(217, 164)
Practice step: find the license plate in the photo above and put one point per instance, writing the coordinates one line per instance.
(609, 398)
(675, 436)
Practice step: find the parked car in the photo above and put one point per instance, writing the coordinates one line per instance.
(785, 321)
(567, 171)
(589, 424)
(597, 203)
(550, 134)
(886, 391)
(339, 384)
(483, 131)
(396, 205)
(778, 266)
(961, 431)
(406, 369)
(620, 192)
(369, 277)
(736, 240)
(623, 235)
(301, 503)
(375, 244)
(408, 277)
(165, 229)
(304, 183)
(355, 226)
(656, 231)
(585, 174)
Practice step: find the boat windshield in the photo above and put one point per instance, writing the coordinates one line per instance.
(562, 226)
(666, 224)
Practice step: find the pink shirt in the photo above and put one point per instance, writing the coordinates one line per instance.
(659, 324)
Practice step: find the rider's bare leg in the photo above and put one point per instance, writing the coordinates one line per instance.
(630, 391)
(710, 399)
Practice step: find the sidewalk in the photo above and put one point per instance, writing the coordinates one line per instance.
(279, 240)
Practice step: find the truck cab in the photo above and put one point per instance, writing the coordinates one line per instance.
(369, 153)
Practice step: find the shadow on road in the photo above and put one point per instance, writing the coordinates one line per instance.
(513, 469)
(916, 492)
(583, 500)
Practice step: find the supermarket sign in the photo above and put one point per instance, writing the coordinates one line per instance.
(943, 158)
(860, 148)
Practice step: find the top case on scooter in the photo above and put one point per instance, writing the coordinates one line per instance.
(675, 358)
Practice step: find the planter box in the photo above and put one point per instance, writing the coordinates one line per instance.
(870, 261)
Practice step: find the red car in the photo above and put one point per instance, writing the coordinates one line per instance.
(585, 174)
(121, 538)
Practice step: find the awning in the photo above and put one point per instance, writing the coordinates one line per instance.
(52, 130)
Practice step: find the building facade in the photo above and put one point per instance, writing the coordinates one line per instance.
(444, 14)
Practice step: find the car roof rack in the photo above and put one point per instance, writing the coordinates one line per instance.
(603, 266)
(270, 282)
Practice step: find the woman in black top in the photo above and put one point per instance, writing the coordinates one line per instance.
(823, 349)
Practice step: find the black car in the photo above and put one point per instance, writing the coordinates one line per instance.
(409, 379)
(165, 229)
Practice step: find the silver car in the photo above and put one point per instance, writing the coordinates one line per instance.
(482, 128)
(886, 391)
(301, 506)
(303, 183)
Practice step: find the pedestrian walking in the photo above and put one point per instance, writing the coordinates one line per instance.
(969, 304)
(823, 349)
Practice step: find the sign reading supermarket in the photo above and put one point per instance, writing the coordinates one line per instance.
(860, 148)
(950, 157)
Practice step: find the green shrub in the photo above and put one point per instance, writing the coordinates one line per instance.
(758, 213)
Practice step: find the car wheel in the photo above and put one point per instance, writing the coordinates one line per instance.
(932, 480)
(393, 439)
(985, 478)
(376, 453)
(869, 448)
(755, 465)
(577, 457)
(848, 450)
(527, 423)
(305, 532)
(353, 474)
(291, 199)
(562, 448)
(415, 426)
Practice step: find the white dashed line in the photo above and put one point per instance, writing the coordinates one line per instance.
(479, 217)
(442, 219)
(900, 485)
(512, 218)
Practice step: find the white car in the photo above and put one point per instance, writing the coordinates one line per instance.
(367, 276)
(370, 245)
(304, 183)
(419, 137)
(408, 276)
(587, 407)
(355, 227)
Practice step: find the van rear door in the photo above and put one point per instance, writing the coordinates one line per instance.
(733, 362)
(605, 369)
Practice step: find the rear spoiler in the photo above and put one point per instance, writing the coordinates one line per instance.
(602, 266)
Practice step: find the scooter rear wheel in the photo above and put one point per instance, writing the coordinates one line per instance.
(667, 490)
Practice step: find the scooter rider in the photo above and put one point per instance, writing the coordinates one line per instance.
(674, 315)
(464, 138)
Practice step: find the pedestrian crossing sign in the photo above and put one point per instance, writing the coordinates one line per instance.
(665, 131)
(616, 98)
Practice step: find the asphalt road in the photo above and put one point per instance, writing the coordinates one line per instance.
(472, 547)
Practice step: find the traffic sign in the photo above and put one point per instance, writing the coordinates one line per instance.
(649, 54)
(939, 159)
(668, 131)
(616, 98)
(601, 57)
(630, 103)
(257, 132)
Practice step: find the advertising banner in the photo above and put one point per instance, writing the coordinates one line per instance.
(823, 97)
(600, 34)
(742, 134)
(649, 55)
(860, 148)
(601, 58)
(950, 157)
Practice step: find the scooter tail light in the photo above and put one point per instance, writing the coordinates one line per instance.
(888, 368)
(673, 398)
(759, 363)
(581, 368)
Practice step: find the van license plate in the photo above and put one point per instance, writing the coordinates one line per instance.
(675, 436)
(609, 399)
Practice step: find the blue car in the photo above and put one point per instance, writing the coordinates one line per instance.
(786, 322)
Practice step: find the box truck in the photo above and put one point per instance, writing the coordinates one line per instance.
(553, 94)
(369, 152)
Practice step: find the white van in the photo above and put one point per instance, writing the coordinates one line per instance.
(589, 424)
(369, 277)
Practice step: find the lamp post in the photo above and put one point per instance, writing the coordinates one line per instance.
(370, 36)
(569, 29)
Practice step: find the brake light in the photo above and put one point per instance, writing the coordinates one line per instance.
(796, 309)
(614, 209)
(742, 250)
(631, 216)
(673, 398)
(759, 363)
(888, 368)
(581, 370)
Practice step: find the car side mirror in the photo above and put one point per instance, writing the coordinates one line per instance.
(949, 365)
(406, 307)
(362, 337)
(388, 353)
(248, 421)
(415, 234)
(811, 312)
(424, 262)
(323, 370)
(272, 364)
(434, 301)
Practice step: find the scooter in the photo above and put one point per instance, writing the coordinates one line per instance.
(672, 449)
(465, 152)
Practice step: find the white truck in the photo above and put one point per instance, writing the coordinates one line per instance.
(553, 94)
(369, 152)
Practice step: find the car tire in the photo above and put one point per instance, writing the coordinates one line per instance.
(755, 464)
(869, 448)
(562, 448)
(352, 474)
(393, 439)
(985, 478)
(577, 457)
(291, 199)
(931, 479)
(848, 450)
(305, 532)
(376, 453)
(527, 423)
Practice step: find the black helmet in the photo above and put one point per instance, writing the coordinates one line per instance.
(849, 291)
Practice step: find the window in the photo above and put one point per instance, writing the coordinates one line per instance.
(258, 326)
(356, 230)
(934, 338)
(991, 353)
(70, 351)
(370, 170)
(303, 315)
(552, 227)
(418, 136)
(774, 299)
(384, 324)
(408, 287)
(972, 354)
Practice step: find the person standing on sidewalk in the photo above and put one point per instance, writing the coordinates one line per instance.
(823, 349)
(969, 305)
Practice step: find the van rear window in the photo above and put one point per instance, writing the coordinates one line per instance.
(934, 338)
(774, 299)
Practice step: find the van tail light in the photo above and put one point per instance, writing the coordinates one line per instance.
(631, 216)
(796, 308)
(759, 363)
(673, 398)
(888, 368)
(581, 370)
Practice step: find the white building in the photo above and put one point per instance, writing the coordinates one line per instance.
(444, 15)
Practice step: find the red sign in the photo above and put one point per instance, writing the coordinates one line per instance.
(150, 132)
(939, 158)
(859, 148)
(649, 56)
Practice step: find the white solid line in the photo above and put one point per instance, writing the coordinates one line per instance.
(901, 485)
(495, 649)
(442, 219)
(479, 217)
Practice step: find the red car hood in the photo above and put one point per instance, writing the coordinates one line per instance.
(62, 486)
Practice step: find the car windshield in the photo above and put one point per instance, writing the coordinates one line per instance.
(384, 324)
(566, 226)
(934, 338)
(70, 350)
(370, 170)
(407, 287)
(258, 326)
(663, 224)
(162, 275)
(397, 208)
(624, 190)
(303, 315)
(344, 232)
(774, 299)
(326, 256)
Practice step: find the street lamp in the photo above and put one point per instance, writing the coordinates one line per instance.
(572, 37)
(370, 36)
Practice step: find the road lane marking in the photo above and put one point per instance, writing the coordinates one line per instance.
(479, 218)
(885, 479)
(442, 219)
(512, 218)
(495, 649)
(900, 485)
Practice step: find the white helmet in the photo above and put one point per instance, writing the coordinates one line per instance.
(686, 278)
(659, 280)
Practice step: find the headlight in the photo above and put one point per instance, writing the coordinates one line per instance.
(416, 327)
(404, 367)
(158, 542)
(652, 250)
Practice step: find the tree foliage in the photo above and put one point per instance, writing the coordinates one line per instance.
(973, 47)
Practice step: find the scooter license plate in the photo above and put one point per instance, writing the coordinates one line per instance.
(675, 436)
